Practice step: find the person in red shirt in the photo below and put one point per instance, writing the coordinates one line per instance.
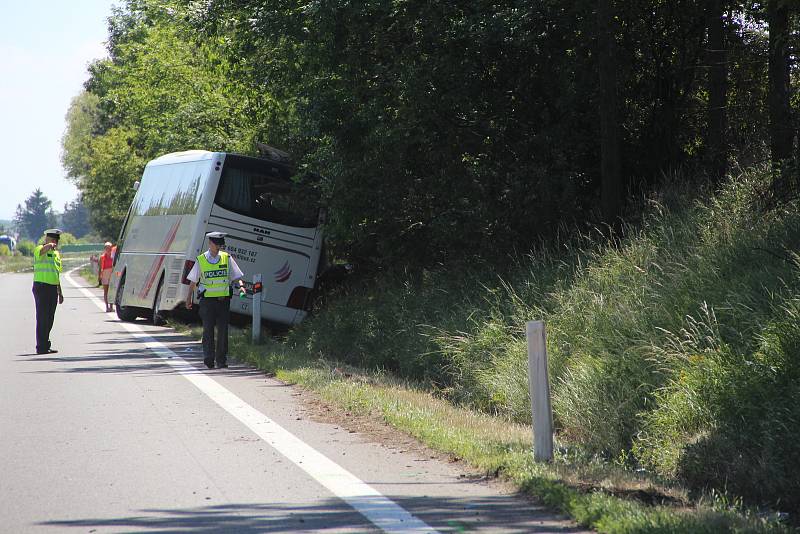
(106, 264)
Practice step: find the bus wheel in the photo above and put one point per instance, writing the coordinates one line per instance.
(159, 319)
(124, 313)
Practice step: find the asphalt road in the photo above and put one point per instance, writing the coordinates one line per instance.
(124, 430)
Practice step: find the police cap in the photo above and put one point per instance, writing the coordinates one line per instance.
(218, 238)
(55, 233)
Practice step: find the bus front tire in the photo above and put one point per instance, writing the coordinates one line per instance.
(123, 312)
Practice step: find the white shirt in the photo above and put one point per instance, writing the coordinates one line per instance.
(194, 274)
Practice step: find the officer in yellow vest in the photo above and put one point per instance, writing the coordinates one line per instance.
(212, 275)
(46, 288)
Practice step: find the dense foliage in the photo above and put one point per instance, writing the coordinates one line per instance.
(440, 129)
(75, 218)
(160, 92)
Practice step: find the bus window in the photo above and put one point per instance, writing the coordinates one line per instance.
(171, 189)
(264, 190)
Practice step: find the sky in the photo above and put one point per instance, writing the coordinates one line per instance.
(45, 47)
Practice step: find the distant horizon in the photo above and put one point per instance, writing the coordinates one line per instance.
(58, 209)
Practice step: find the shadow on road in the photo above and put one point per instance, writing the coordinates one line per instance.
(140, 360)
(488, 514)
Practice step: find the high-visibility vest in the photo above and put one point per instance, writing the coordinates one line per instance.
(46, 267)
(215, 276)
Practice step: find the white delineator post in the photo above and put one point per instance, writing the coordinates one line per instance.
(539, 384)
(257, 308)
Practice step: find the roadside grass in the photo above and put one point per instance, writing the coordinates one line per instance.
(70, 260)
(594, 492)
(87, 273)
(14, 264)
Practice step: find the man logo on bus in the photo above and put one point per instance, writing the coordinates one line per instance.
(283, 274)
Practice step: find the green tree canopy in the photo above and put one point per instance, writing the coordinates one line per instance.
(438, 129)
(75, 218)
(35, 217)
(160, 91)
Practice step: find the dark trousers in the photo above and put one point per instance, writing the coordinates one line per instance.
(46, 298)
(215, 312)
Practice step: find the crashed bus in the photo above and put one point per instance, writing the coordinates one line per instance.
(273, 230)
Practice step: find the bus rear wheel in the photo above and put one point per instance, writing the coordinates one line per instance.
(159, 318)
(124, 313)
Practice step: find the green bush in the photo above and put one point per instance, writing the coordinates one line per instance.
(26, 247)
(90, 239)
(380, 325)
(4, 250)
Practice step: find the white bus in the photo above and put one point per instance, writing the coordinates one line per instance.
(8, 241)
(271, 230)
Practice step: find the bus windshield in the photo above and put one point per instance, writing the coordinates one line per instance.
(264, 190)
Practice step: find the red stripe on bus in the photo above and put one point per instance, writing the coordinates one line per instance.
(151, 277)
(156, 265)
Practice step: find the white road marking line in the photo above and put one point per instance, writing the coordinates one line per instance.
(379, 509)
(99, 303)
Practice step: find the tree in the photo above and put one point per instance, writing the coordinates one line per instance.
(612, 192)
(83, 122)
(717, 91)
(75, 218)
(35, 217)
(108, 189)
(161, 90)
(780, 132)
(439, 129)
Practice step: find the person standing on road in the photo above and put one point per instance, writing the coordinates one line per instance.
(212, 275)
(46, 288)
(106, 264)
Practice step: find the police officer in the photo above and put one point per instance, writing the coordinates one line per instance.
(46, 288)
(212, 275)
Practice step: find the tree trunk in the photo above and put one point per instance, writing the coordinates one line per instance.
(780, 126)
(717, 92)
(610, 161)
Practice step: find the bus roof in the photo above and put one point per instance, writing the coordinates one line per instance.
(180, 157)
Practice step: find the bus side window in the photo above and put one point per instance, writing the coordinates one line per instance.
(265, 192)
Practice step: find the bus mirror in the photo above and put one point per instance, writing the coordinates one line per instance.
(136, 185)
